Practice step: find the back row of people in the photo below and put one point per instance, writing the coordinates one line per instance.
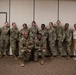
(31, 41)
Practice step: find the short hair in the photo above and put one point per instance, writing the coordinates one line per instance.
(74, 24)
(33, 22)
(13, 23)
(67, 24)
(24, 24)
(6, 22)
(43, 25)
(51, 23)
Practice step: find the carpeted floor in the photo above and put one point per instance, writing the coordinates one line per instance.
(61, 66)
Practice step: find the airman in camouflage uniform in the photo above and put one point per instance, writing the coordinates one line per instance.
(14, 38)
(40, 46)
(5, 39)
(27, 45)
(43, 31)
(60, 37)
(52, 38)
(33, 31)
(21, 32)
(68, 38)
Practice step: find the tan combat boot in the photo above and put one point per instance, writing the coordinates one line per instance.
(6, 56)
(1, 56)
(42, 62)
(68, 57)
(59, 56)
(16, 58)
(52, 57)
(22, 64)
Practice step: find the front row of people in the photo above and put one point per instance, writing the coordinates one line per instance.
(28, 44)
(32, 41)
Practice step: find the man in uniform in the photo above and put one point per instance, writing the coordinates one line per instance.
(40, 46)
(68, 39)
(60, 37)
(43, 31)
(51, 38)
(21, 32)
(5, 39)
(27, 45)
(33, 31)
(14, 38)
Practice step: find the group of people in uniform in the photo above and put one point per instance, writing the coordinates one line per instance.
(29, 42)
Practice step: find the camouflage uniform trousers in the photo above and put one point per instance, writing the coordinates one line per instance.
(52, 46)
(4, 46)
(68, 47)
(13, 44)
(25, 55)
(42, 51)
(59, 46)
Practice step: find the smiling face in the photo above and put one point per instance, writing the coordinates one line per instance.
(58, 22)
(39, 36)
(50, 24)
(43, 26)
(24, 26)
(34, 23)
(25, 34)
(14, 25)
(6, 24)
(66, 26)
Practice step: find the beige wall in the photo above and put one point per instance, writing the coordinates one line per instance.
(68, 12)
(45, 11)
(21, 12)
(4, 7)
